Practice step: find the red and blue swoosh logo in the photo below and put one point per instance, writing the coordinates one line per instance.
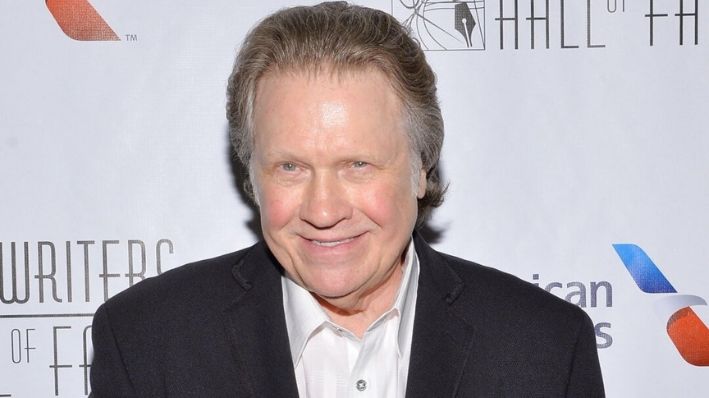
(687, 331)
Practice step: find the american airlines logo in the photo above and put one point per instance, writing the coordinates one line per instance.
(687, 331)
(79, 20)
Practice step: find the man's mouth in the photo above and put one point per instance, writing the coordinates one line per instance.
(331, 243)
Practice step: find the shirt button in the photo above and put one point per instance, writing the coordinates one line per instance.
(361, 385)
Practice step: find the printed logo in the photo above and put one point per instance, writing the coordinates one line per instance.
(686, 330)
(443, 25)
(80, 21)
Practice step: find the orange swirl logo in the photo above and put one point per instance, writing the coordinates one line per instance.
(80, 21)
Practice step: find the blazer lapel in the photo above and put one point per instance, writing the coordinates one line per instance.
(256, 324)
(442, 341)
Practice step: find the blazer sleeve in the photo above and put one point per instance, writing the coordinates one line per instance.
(585, 378)
(109, 377)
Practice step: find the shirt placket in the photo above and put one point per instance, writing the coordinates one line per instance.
(374, 374)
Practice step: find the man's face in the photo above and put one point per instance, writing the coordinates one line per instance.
(333, 177)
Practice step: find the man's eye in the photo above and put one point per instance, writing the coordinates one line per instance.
(359, 164)
(288, 166)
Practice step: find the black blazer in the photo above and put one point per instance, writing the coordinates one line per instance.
(216, 328)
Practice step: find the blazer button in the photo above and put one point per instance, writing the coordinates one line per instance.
(361, 385)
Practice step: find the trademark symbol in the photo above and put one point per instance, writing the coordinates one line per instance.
(131, 37)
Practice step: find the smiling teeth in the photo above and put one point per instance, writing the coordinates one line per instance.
(331, 243)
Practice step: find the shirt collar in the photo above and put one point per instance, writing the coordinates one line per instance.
(304, 315)
(405, 301)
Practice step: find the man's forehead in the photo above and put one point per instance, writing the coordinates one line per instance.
(328, 95)
(332, 111)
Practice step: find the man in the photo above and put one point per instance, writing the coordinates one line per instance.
(333, 112)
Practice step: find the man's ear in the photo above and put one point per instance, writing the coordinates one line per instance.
(421, 184)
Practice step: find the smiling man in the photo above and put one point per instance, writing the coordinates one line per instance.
(333, 112)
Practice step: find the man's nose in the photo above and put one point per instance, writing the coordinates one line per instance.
(326, 202)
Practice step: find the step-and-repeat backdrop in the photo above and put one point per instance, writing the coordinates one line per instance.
(576, 149)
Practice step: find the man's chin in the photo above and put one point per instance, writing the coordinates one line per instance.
(338, 300)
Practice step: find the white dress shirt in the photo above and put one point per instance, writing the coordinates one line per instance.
(330, 361)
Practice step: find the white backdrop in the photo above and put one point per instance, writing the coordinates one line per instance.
(114, 159)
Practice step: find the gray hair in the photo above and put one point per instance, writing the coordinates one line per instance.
(341, 37)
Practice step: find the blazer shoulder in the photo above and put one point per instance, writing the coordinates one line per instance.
(492, 291)
(188, 289)
(526, 339)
